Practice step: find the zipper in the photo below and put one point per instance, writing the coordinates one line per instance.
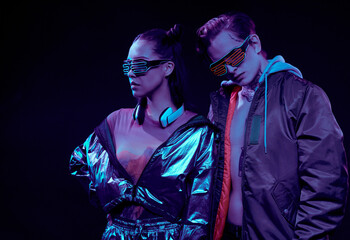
(241, 161)
(243, 153)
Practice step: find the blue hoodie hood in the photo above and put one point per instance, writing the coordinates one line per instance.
(277, 64)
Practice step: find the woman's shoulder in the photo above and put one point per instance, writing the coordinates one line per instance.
(197, 120)
(123, 114)
(189, 114)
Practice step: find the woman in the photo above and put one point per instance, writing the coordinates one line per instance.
(151, 168)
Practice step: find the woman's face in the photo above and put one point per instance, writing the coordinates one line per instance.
(154, 80)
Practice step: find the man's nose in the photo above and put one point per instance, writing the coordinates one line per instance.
(230, 68)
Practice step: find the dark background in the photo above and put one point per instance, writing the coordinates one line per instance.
(61, 76)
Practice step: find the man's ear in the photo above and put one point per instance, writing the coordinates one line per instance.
(254, 41)
(168, 67)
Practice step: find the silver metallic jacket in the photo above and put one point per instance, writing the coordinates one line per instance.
(176, 184)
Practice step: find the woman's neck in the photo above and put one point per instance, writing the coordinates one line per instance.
(156, 106)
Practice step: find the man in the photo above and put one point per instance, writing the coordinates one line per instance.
(283, 171)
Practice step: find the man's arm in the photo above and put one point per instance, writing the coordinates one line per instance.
(323, 175)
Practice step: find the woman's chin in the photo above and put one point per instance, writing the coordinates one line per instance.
(137, 94)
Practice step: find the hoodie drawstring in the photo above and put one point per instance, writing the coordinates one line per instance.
(277, 64)
(265, 113)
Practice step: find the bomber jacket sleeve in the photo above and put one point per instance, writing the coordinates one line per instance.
(323, 175)
(198, 211)
(78, 167)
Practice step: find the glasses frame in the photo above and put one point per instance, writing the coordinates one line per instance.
(140, 66)
(243, 47)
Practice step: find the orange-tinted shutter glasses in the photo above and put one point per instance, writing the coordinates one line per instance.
(233, 58)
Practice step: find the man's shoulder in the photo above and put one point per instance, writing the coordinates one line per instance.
(294, 87)
(289, 80)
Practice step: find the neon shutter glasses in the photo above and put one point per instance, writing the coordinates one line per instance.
(233, 58)
(140, 66)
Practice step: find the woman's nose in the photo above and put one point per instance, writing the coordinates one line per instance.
(131, 73)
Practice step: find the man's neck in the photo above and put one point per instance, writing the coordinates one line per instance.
(248, 90)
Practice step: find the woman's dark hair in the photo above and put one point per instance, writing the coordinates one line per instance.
(167, 45)
(238, 23)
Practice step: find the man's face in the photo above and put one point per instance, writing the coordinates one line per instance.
(246, 72)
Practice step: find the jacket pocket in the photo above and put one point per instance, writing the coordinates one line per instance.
(285, 201)
(255, 130)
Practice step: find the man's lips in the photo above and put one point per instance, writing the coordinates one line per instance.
(235, 77)
(238, 77)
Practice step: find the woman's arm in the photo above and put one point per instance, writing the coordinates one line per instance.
(198, 209)
(78, 167)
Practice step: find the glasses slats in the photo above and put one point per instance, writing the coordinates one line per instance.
(233, 58)
(140, 66)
